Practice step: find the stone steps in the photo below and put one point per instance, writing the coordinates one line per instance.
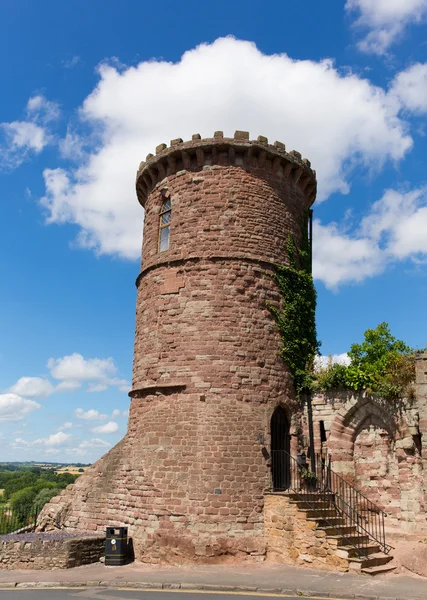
(381, 570)
(355, 539)
(334, 530)
(350, 551)
(362, 554)
(366, 562)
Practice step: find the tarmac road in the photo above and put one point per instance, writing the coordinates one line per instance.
(119, 594)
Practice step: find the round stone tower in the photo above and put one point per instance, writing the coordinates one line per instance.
(189, 476)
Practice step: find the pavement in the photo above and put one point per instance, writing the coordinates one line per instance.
(260, 578)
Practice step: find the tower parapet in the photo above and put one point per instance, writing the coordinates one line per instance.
(222, 151)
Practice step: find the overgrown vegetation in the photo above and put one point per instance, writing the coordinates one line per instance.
(380, 365)
(296, 318)
(26, 491)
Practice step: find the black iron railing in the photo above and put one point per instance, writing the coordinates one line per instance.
(18, 520)
(331, 499)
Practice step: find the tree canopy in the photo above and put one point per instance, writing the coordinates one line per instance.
(380, 364)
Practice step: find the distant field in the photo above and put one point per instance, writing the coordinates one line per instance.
(71, 469)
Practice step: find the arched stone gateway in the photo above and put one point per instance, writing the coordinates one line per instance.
(374, 445)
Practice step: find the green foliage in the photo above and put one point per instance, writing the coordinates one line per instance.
(12, 482)
(17, 482)
(381, 365)
(26, 491)
(296, 319)
(43, 497)
(307, 474)
(21, 503)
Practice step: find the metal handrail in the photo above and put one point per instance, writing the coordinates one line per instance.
(351, 506)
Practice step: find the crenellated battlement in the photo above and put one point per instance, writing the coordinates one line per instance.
(219, 150)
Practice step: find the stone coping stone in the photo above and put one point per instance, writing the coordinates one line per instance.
(50, 536)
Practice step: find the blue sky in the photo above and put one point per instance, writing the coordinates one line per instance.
(89, 88)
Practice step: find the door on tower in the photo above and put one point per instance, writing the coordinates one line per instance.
(280, 450)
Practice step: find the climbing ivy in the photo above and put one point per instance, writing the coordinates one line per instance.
(296, 319)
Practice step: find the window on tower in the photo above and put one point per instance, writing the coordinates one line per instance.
(165, 223)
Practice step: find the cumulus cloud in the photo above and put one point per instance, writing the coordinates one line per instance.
(323, 361)
(77, 368)
(55, 439)
(110, 427)
(392, 231)
(68, 386)
(338, 120)
(32, 387)
(410, 87)
(66, 425)
(90, 415)
(19, 139)
(74, 370)
(15, 408)
(385, 20)
(340, 257)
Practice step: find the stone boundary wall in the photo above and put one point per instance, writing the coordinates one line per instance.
(292, 540)
(49, 551)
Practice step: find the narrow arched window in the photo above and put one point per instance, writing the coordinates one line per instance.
(165, 223)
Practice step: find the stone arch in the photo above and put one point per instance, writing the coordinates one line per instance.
(365, 408)
(371, 445)
(348, 424)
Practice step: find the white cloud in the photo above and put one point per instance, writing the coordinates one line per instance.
(94, 443)
(340, 257)
(66, 425)
(335, 119)
(70, 63)
(98, 373)
(410, 87)
(323, 361)
(41, 110)
(399, 221)
(77, 368)
(72, 146)
(55, 439)
(90, 415)
(110, 427)
(68, 386)
(32, 387)
(118, 413)
(19, 139)
(385, 20)
(393, 230)
(15, 408)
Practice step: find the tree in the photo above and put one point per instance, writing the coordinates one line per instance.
(43, 497)
(381, 365)
(21, 503)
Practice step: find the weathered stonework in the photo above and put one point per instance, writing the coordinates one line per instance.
(381, 447)
(293, 540)
(42, 551)
(189, 477)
